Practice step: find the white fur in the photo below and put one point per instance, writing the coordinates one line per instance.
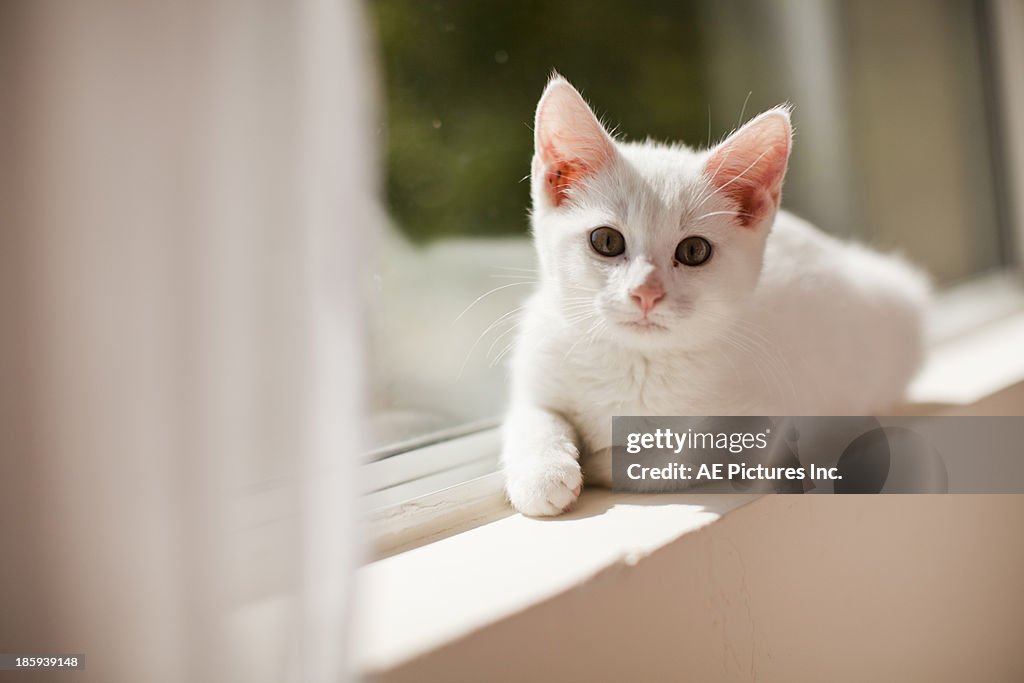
(783, 320)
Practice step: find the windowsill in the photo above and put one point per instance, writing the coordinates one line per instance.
(430, 596)
(418, 600)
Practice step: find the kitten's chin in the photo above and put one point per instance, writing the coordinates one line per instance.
(642, 334)
(650, 335)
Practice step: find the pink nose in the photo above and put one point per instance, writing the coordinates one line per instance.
(647, 295)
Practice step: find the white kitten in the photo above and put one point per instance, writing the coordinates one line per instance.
(671, 284)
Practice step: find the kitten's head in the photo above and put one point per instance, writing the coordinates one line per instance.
(650, 245)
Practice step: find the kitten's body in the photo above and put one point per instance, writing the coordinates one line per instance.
(771, 363)
(788, 321)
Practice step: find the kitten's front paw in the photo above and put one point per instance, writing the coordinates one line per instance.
(545, 485)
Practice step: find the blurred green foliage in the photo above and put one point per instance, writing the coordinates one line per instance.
(462, 78)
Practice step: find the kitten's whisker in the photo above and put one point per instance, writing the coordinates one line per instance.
(579, 320)
(531, 278)
(487, 294)
(501, 355)
(710, 191)
(744, 171)
(600, 328)
(743, 110)
(572, 315)
(705, 195)
(581, 338)
(490, 327)
(717, 190)
(501, 336)
(581, 314)
(709, 126)
(720, 213)
(721, 188)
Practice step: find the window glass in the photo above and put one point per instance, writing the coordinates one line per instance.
(893, 147)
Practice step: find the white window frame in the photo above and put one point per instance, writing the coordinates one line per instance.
(450, 481)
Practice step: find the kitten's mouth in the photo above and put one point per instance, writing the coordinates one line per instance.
(643, 325)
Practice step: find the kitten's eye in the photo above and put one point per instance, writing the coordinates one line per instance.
(693, 251)
(607, 241)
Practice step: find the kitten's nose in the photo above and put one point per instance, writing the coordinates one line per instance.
(648, 294)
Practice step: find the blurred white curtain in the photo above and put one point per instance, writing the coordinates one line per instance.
(184, 190)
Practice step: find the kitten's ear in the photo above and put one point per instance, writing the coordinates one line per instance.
(569, 142)
(749, 165)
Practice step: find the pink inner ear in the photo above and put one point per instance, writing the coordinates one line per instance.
(570, 142)
(560, 176)
(750, 165)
